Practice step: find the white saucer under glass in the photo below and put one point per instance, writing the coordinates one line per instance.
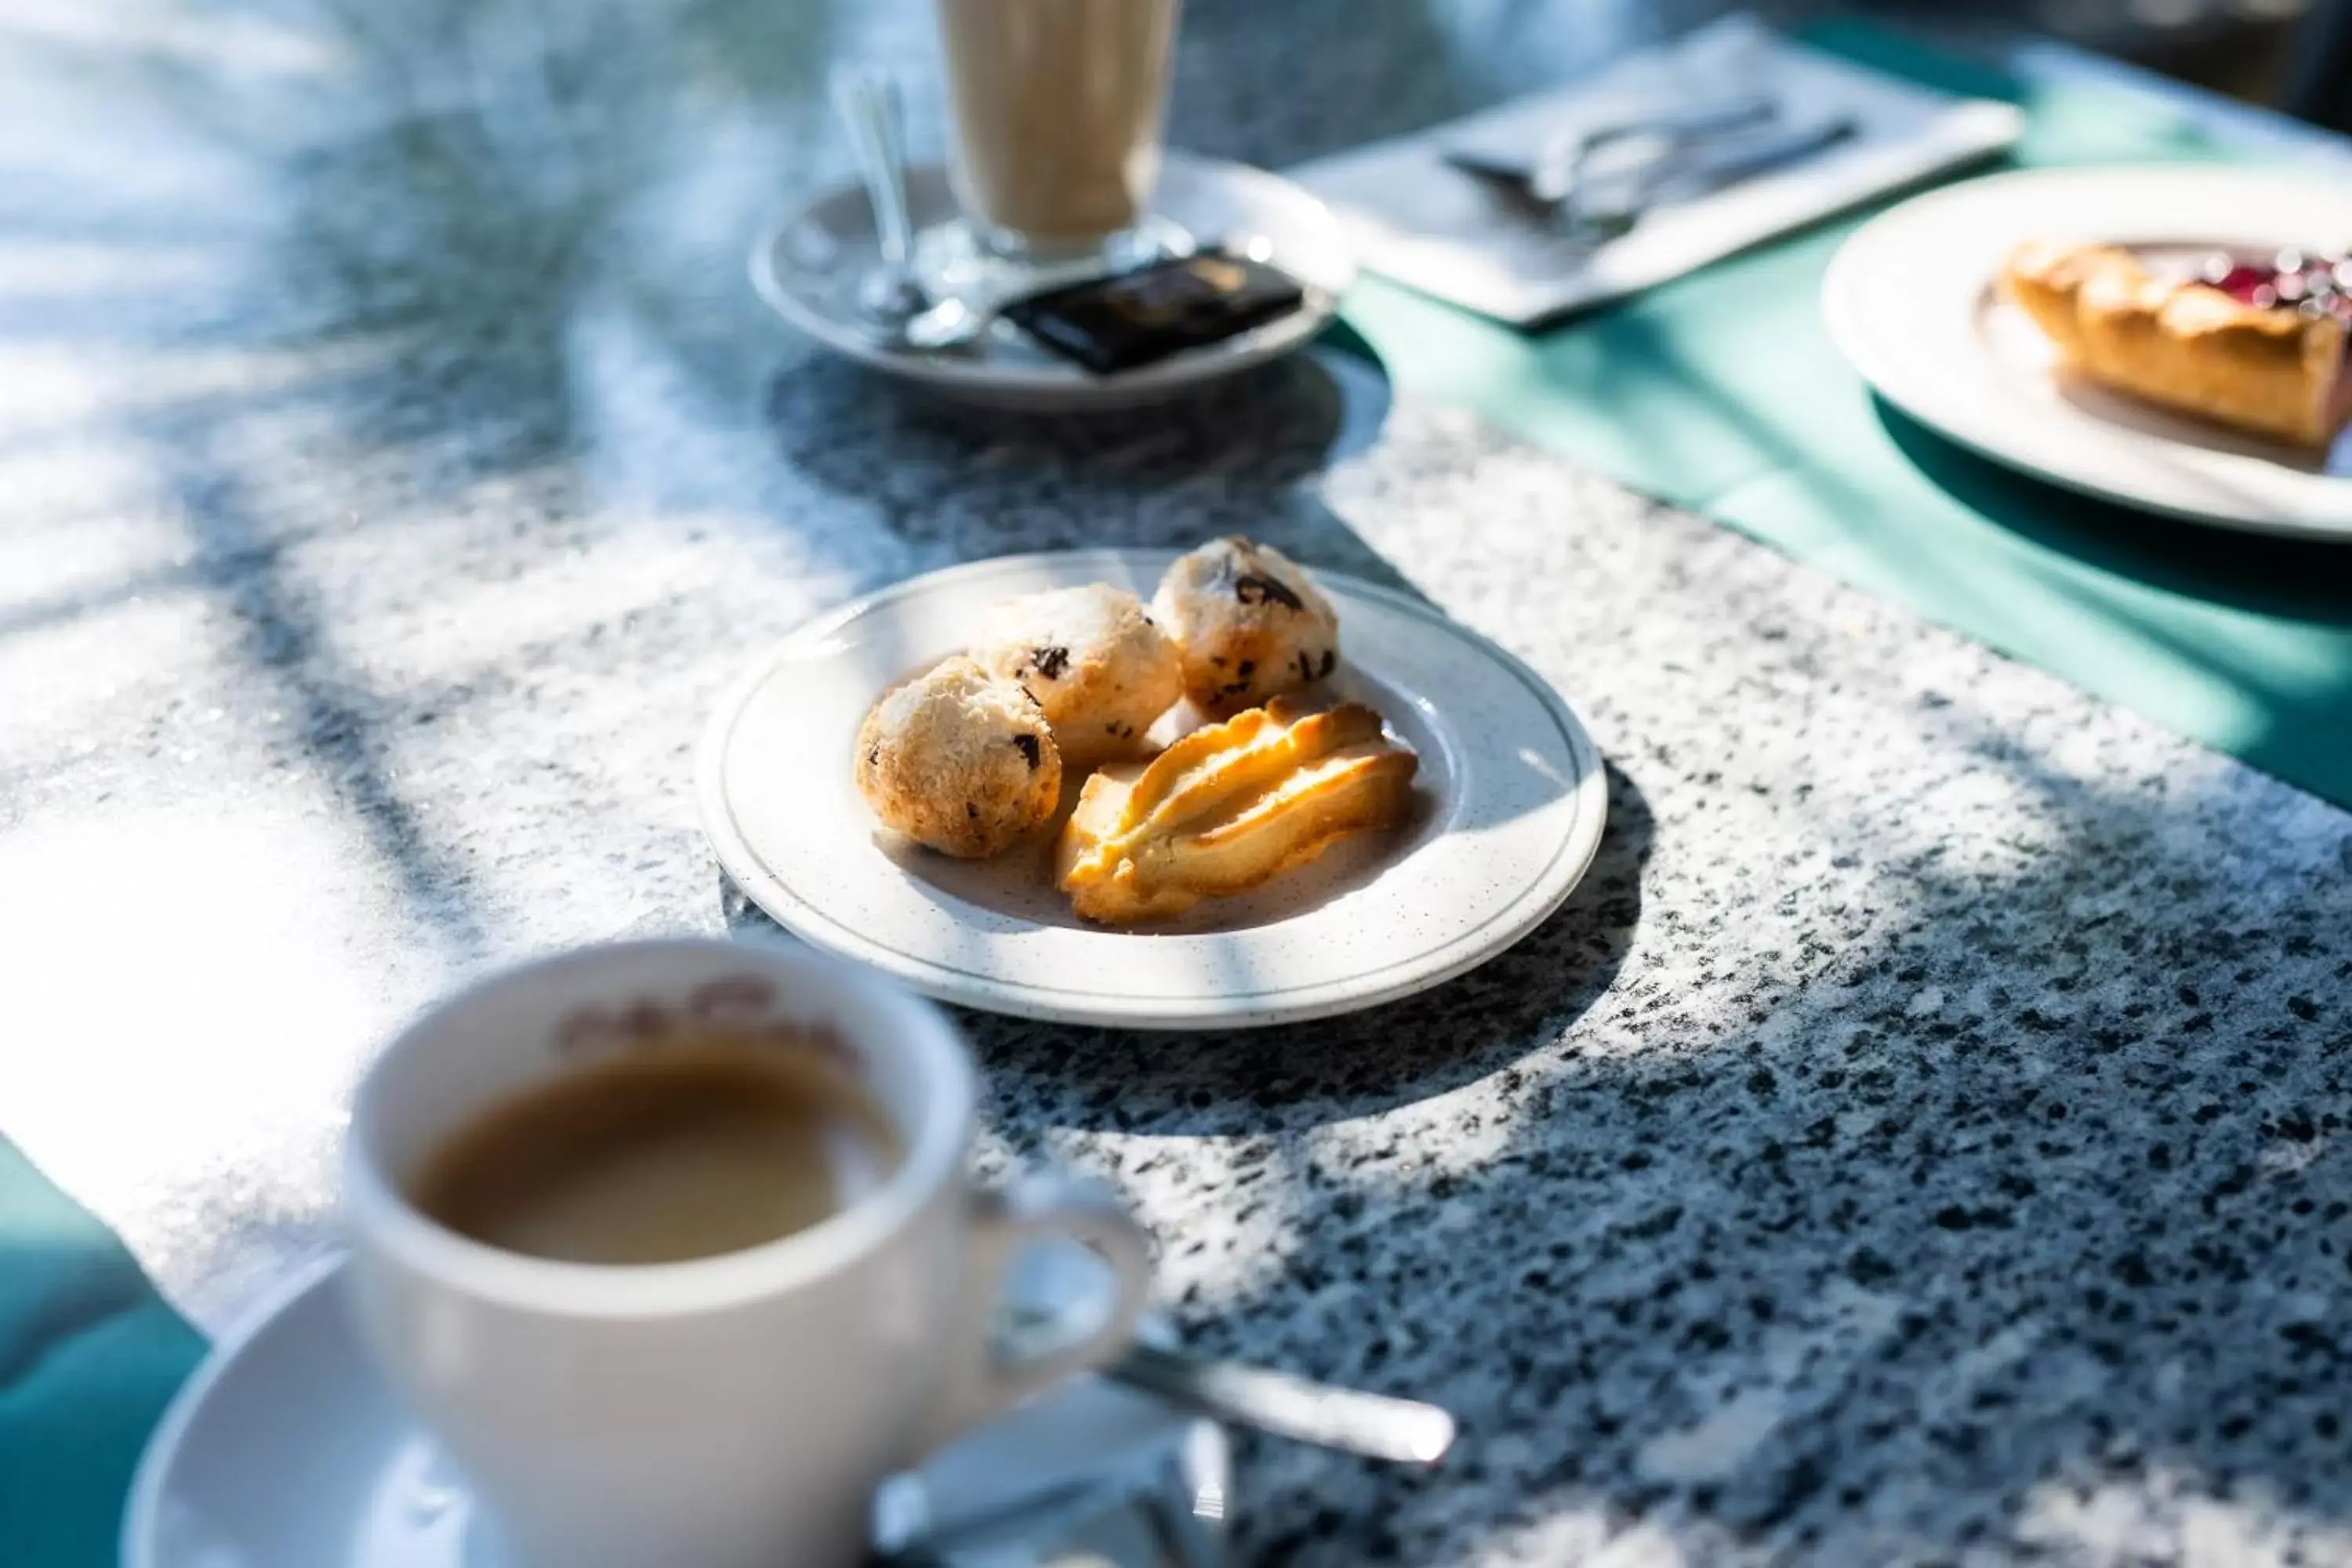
(807, 269)
(950, 258)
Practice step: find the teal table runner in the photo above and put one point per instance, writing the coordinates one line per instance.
(88, 1357)
(1722, 393)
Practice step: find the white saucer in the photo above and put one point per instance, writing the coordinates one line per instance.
(284, 1451)
(1512, 803)
(807, 269)
(1910, 300)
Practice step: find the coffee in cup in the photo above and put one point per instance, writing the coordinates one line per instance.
(710, 1145)
(1056, 106)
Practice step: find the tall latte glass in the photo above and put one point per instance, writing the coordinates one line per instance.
(1057, 108)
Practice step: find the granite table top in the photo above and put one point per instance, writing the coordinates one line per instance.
(1922, 1138)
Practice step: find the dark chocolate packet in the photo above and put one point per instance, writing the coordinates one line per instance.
(1131, 318)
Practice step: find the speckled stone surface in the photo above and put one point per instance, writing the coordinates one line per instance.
(1921, 1139)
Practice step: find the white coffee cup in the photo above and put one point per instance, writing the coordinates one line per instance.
(732, 1410)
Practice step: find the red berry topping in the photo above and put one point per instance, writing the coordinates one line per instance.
(2315, 286)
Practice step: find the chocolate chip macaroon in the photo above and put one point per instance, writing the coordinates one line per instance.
(960, 759)
(1249, 623)
(1096, 663)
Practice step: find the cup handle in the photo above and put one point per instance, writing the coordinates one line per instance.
(1004, 1357)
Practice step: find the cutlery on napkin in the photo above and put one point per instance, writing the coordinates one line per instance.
(1546, 171)
(1488, 241)
(1683, 172)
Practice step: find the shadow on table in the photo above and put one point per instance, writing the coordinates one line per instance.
(2268, 574)
(2001, 1213)
(384, 228)
(2290, 685)
(955, 483)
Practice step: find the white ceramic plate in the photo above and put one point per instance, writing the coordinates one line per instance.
(285, 1450)
(1511, 799)
(1911, 300)
(807, 269)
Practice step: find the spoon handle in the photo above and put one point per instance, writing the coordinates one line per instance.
(867, 101)
(1372, 1425)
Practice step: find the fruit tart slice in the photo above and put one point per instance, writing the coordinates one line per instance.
(2259, 345)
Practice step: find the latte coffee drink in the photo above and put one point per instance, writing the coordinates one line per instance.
(1056, 108)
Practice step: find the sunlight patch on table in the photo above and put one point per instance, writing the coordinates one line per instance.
(240, 44)
(2170, 1515)
(191, 994)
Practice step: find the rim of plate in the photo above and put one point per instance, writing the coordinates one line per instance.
(1587, 798)
(1969, 402)
(1050, 384)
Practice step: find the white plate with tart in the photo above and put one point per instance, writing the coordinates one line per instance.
(1127, 787)
(2172, 337)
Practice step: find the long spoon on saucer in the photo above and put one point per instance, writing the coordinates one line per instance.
(890, 299)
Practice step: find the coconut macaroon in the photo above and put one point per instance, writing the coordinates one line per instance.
(1094, 660)
(1249, 623)
(961, 760)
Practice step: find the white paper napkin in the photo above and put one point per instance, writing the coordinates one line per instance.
(1417, 219)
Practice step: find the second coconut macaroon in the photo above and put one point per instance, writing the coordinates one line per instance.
(1250, 622)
